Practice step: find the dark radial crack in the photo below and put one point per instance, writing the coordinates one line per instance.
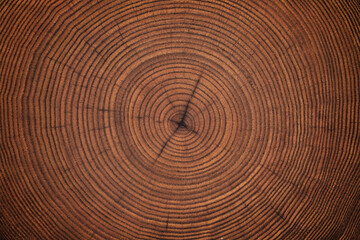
(167, 222)
(188, 102)
(181, 123)
(184, 125)
(164, 145)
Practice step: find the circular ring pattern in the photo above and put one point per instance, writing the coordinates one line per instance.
(179, 120)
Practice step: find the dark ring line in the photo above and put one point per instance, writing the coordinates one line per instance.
(78, 164)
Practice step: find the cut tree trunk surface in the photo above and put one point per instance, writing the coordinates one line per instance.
(179, 119)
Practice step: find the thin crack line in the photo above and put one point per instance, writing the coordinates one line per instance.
(167, 222)
(165, 144)
(192, 95)
(184, 125)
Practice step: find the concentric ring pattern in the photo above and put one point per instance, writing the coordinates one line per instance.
(179, 120)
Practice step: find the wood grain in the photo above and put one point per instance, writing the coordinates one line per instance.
(179, 119)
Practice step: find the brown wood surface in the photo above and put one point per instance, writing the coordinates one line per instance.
(179, 119)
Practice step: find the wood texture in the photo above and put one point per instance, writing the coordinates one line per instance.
(179, 119)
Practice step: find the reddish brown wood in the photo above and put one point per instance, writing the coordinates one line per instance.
(179, 119)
